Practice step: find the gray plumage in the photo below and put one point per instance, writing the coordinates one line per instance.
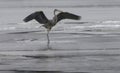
(48, 24)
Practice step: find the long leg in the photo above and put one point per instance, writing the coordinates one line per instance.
(48, 42)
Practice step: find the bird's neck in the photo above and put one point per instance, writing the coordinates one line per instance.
(54, 20)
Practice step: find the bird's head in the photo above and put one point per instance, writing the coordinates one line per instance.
(58, 11)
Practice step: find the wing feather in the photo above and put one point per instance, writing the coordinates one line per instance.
(38, 16)
(66, 15)
(29, 17)
(41, 18)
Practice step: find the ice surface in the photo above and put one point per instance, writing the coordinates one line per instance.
(90, 45)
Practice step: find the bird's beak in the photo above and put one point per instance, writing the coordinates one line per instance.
(58, 10)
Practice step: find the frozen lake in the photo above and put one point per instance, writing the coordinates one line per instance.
(69, 53)
(90, 45)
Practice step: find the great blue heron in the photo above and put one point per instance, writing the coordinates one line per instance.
(48, 24)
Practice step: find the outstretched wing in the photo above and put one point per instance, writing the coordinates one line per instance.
(29, 17)
(38, 16)
(41, 18)
(66, 15)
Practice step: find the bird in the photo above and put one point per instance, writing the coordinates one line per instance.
(40, 17)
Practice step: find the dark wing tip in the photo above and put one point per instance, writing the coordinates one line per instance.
(79, 17)
(25, 20)
(76, 17)
(73, 16)
(29, 17)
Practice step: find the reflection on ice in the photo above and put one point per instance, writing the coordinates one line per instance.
(29, 71)
(69, 53)
(47, 72)
(111, 22)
